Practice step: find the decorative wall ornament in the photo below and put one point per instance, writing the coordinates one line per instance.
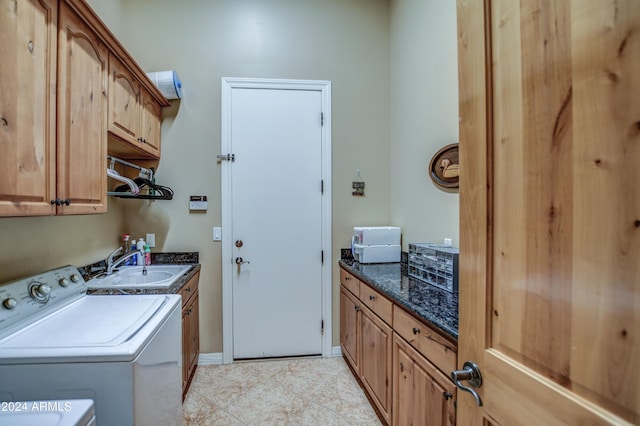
(444, 167)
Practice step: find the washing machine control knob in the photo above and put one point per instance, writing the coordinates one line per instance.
(63, 282)
(40, 292)
(75, 278)
(10, 303)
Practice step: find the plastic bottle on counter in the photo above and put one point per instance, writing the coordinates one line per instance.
(141, 244)
(147, 255)
(125, 240)
(134, 258)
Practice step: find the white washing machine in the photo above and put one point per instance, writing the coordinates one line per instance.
(75, 412)
(123, 352)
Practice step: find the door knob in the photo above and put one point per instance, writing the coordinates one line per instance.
(239, 243)
(470, 373)
(240, 261)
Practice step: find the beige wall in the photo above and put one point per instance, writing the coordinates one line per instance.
(393, 69)
(111, 14)
(30, 245)
(423, 116)
(345, 41)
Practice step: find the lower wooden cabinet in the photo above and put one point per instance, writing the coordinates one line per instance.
(350, 328)
(190, 331)
(375, 361)
(404, 379)
(422, 395)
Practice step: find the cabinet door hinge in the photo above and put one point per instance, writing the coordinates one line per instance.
(322, 256)
(322, 186)
(322, 119)
(322, 327)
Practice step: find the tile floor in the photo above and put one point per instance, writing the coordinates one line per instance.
(305, 392)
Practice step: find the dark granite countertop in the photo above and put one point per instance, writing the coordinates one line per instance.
(435, 306)
(160, 259)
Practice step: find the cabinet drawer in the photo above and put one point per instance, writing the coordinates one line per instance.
(434, 347)
(375, 301)
(189, 289)
(349, 281)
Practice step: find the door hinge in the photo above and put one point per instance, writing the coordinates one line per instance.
(322, 119)
(322, 186)
(322, 327)
(322, 256)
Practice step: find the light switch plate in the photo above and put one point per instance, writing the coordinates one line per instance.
(217, 233)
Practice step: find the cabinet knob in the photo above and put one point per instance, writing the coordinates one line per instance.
(347, 278)
(66, 202)
(446, 395)
(416, 330)
(371, 297)
(357, 308)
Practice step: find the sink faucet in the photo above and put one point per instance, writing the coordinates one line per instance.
(111, 264)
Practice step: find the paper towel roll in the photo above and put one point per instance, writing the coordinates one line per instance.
(168, 83)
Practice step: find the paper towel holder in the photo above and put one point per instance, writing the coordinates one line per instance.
(168, 83)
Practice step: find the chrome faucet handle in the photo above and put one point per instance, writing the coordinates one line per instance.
(113, 253)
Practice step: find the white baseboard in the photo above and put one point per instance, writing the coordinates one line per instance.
(216, 358)
(210, 359)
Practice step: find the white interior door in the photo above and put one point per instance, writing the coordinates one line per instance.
(276, 139)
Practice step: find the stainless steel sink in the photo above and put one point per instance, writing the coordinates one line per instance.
(158, 276)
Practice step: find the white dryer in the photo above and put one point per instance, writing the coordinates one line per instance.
(123, 352)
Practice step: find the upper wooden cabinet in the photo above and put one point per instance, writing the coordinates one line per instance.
(28, 108)
(58, 105)
(134, 115)
(124, 102)
(82, 116)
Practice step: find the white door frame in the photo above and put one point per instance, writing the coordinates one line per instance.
(324, 87)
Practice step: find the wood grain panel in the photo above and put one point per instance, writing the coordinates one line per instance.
(350, 328)
(27, 106)
(431, 345)
(422, 395)
(350, 282)
(375, 361)
(533, 192)
(379, 304)
(605, 338)
(82, 116)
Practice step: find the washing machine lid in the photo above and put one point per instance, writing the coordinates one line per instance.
(104, 327)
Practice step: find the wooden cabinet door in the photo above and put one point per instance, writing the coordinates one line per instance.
(124, 103)
(375, 361)
(151, 112)
(350, 328)
(82, 116)
(550, 210)
(194, 333)
(186, 348)
(422, 395)
(28, 31)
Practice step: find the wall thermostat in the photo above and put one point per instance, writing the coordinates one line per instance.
(198, 202)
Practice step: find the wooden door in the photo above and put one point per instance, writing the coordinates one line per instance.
(422, 395)
(550, 210)
(82, 116)
(375, 361)
(27, 107)
(349, 327)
